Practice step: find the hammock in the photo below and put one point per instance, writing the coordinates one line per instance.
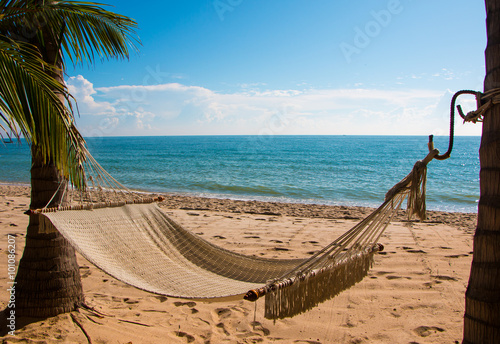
(141, 246)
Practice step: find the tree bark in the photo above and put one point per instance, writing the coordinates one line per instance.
(48, 279)
(482, 304)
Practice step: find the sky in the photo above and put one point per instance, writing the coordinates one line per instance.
(286, 67)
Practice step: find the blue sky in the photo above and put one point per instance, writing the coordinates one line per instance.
(282, 67)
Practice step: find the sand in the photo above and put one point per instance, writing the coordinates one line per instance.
(413, 294)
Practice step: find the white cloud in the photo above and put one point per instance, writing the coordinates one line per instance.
(83, 91)
(176, 109)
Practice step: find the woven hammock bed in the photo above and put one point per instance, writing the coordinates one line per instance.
(140, 245)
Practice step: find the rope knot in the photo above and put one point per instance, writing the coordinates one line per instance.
(485, 101)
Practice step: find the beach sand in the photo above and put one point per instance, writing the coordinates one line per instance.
(413, 294)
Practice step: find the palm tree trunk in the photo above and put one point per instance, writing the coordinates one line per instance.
(48, 279)
(482, 305)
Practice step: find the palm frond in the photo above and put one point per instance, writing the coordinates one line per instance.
(85, 30)
(34, 105)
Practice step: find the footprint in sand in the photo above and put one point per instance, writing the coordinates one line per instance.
(161, 298)
(412, 250)
(188, 337)
(130, 301)
(425, 331)
(430, 284)
(391, 277)
(223, 328)
(310, 242)
(444, 278)
(102, 297)
(382, 273)
(257, 326)
(85, 271)
(222, 313)
(416, 251)
(457, 256)
(189, 304)
(281, 249)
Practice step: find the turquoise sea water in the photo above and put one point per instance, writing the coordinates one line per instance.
(341, 170)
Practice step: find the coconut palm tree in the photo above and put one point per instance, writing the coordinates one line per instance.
(48, 279)
(482, 307)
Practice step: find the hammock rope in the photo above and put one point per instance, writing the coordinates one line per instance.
(137, 243)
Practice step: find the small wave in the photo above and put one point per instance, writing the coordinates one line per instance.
(236, 189)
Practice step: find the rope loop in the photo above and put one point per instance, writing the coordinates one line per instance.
(485, 101)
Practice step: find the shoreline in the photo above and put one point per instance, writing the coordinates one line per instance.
(267, 199)
(308, 210)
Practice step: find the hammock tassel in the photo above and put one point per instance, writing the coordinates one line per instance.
(415, 183)
(416, 198)
(298, 294)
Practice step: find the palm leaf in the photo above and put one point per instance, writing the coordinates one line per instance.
(32, 104)
(85, 30)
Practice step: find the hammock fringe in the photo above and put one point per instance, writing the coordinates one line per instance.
(303, 293)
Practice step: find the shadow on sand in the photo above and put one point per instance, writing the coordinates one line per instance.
(10, 322)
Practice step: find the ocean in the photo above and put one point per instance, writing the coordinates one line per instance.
(335, 170)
